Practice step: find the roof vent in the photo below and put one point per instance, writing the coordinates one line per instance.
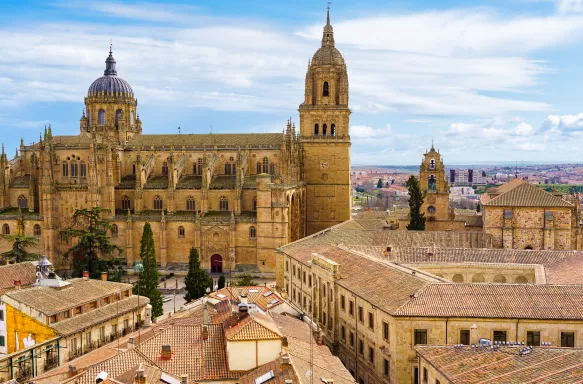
(166, 353)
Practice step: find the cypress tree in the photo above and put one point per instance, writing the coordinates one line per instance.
(221, 282)
(197, 280)
(148, 279)
(417, 222)
(380, 184)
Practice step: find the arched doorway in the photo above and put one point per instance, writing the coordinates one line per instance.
(216, 263)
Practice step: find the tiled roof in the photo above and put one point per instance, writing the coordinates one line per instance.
(25, 272)
(115, 366)
(20, 182)
(200, 359)
(467, 365)
(260, 295)
(253, 327)
(189, 182)
(223, 182)
(232, 140)
(81, 140)
(127, 182)
(515, 301)
(494, 192)
(157, 182)
(527, 195)
(281, 373)
(49, 300)
(152, 375)
(99, 315)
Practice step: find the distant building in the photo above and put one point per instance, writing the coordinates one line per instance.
(466, 178)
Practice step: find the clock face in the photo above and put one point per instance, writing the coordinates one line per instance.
(324, 164)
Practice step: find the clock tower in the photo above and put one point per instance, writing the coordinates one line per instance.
(324, 136)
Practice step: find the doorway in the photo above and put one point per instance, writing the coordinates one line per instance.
(216, 264)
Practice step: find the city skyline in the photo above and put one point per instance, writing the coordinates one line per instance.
(492, 82)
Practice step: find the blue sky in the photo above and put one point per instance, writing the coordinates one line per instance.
(490, 81)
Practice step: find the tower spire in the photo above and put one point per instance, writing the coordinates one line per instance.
(328, 15)
(110, 63)
(328, 36)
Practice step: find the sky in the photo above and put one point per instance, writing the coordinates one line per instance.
(490, 81)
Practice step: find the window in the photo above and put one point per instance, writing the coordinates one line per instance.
(324, 318)
(533, 338)
(304, 277)
(316, 129)
(118, 116)
(272, 169)
(227, 169)
(287, 266)
(351, 308)
(361, 346)
(83, 169)
(199, 167)
(181, 232)
(294, 271)
(114, 329)
(22, 202)
(88, 339)
(324, 129)
(2, 341)
(1, 315)
(254, 208)
(342, 302)
(325, 90)
(190, 204)
(65, 170)
(499, 335)
(425, 375)
(132, 118)
(253, 235)
(165, 168)
(432, 164)
(224, 204)
(386, 367)
(74, 169)
(385, 331)
(360, 314)
(333, 130)
(568, 339)
(157, 202)
(508, 214)
(114, 230)
(465, 336)
(6, 229)
(265, 167)
(133, 169)
(102, 333)
(126, 203)
(431, 209)
(420, 336)
(343, 332)
(258, 167)
(371, 354)
(371, 320)
(36, 231)
(351, 339)
(66, 314)
(53, 319)
(78, 310)
(101, 117)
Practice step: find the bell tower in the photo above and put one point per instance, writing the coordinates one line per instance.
(434, 186)
(324, 136)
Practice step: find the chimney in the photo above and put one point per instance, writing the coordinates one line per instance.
(205, 332)
(72, 371)
(234, 319)
(243, 297)
(284, 342)
(166, 352)
(17, 284)
(103, 276)
(205, 314)
(285, 359)
(183, 379)
(131, 343)
(140, 375)
(85, 275)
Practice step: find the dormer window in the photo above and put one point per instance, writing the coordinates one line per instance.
(325, 91)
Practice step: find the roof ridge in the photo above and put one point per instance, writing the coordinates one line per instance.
(533, 189)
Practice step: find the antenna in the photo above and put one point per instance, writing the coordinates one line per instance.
(179, 130)
(211, 129)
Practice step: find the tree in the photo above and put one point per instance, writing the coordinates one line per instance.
(245, 280)
(147, 284)
(18, 253)
(417, 219)
(92, 251)
(380, 183)
(197, 280)
(221, 282)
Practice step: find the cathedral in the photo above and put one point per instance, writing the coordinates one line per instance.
(236, 197)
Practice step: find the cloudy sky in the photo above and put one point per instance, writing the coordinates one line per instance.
(497, 81)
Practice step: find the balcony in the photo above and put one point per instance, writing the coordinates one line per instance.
(51, 362)
(73, 353)
(23, 374)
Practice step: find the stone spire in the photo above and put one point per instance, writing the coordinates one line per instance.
(110, 64)
(328, 36)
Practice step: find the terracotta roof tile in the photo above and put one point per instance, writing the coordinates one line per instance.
(281, 372)
(262, 296)
(115, 366)
(527, 195)
(494, 192)
(25, 272)
(232, 140)
(253, 327)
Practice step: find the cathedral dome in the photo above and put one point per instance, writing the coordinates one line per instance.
(110, 83)
(328, 55)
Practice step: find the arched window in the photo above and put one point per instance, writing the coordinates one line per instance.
(114, 230)
(118, 116)
(83, 169)
(6, 229)
(333, 130)
(254, 204)
(265, 167)
(36, 231)
(65, 170)
(74, 169)
(316, 129)
(132, 113)
(165, 168)
(199, 167)
(224, 204)
(325, 90)
(324, 129)
(227, 169)
(181, 232)
(101, 117)
(190, 204)
(432, 164)
(22, 202)
(157, 202)
(126, 203)
(258, 167)
(252, 233)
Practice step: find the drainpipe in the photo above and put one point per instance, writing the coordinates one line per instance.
(446, 321)
(544, 227)
(516, 337)
(356, 340)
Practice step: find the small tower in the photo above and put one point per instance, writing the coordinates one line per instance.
(434, 186)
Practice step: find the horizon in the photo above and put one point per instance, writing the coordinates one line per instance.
(492, 83)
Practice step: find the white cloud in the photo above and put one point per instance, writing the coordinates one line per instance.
(566, 6)
(366, 132)
(523, 129)
(564, 124)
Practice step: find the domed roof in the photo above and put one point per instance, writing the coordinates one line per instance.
(110, 82)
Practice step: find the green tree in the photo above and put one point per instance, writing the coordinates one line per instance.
(147, 284)
(380, 183)
(197, 280)
(93, 251)
(417, 221)
(245, 280)
(221, 282)
(18, 253)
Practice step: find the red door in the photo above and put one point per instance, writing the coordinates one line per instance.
(216, 264)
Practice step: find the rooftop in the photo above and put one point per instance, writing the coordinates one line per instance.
(255, 327)
(231, 140)
(261, 296)
(527, 195)
(25, 272)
